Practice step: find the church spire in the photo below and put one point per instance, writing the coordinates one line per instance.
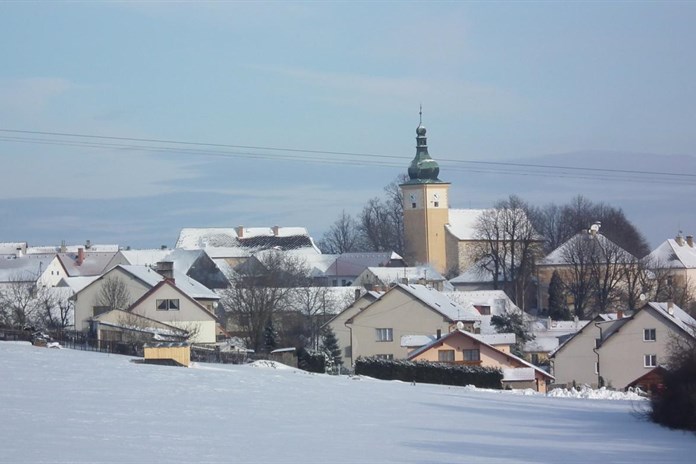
(423, 169)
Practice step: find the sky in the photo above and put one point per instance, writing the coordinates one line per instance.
(287, 113)
(98, 408)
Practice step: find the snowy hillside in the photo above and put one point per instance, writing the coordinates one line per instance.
(65, 406)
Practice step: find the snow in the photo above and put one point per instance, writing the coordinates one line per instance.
(672, 255)
(73, 406)
(462, 223)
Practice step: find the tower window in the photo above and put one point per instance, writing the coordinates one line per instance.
(413, 205)
(436, 204)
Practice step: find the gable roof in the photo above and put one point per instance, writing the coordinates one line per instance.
(675, 315)
(119, 319)
(352, 264)
(93, 264)
(439, 302)
(476, 274)
(670, 254)
(26, 268)
(559, 255)
(462, 223)
(151, 278)
(185, 295)
(483, 342)
(286, 238)
(388, 275)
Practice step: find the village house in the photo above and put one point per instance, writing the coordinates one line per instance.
(676, 258)
(466, 348)
(615, 350)
(384, 277)
(411, 309)
(346, 267)
(135, 282)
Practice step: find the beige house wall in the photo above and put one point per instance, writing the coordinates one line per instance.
(86, 299)
(400, 312)
(424, 224)
(622, 355)
(575, 362)
(343, 333)
(190, 316)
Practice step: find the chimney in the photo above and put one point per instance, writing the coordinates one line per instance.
(63, 248)
(80, 256)
(670, 307)
(357, 294)
(166, 269)
(439, 334)
(275, 230)
(690, 240)
(88, 244)
(619, 314)
(163, 247)
(240, 231)
(679, 239)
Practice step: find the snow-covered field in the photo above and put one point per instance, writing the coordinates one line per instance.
(65, 406)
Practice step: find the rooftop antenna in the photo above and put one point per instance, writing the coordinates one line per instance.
(420, 114)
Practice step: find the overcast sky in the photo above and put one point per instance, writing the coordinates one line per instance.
(589, 83)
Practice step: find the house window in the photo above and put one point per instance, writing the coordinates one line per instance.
(168, 305)
(484, 310)
(535, 358)
(471, 355)
(445, 355)
(649, 335)
(348, 352)
(384, 356)
(650, 360)
(384, 335)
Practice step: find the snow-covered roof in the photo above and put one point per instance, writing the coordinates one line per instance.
(93, 263)
(11, 248)
(475, 274)
(352, 264)
(441, 303)
(26, 268)
(560, 255)
(518, 374)
(144, 257)
(186, 284)
(389, 275)
(676, 315)
(103, 248)
(497, 300)
(541, 345)
(76, 283)
(496, 338)
(670, 254)
(462, 223)
(258, 238)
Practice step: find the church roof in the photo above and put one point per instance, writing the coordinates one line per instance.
(462, 223)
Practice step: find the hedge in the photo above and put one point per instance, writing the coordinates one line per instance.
(429, 372)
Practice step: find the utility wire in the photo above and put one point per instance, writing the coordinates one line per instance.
(318, 156)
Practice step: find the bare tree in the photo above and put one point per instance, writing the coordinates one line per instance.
(377, 227)
(508, 246)
(18, 301)
(610, 263)
(55, 307)
(576, 255)
(114, 294)
(313, 303)
(258, 292)
(342, 237)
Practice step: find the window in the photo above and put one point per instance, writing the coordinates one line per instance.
(384, 335)
(649, 335)
(436, 204)
(483, 310)
(650, 360)
(471, 355)
(384, 356)
(535, 358)
(445, 355)
(413, 205)
(168, 305)
(348, 352)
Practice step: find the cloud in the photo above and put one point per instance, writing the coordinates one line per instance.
(442, 94)
(29, 97)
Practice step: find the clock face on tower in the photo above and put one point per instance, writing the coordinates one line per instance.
(436, 196)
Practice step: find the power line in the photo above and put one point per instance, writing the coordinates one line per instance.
(373, 159)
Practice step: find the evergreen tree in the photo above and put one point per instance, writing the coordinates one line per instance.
(514, 322)
(270, 336)
(558, 309)
(330, 343)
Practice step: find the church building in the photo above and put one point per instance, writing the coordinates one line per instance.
(435, 234)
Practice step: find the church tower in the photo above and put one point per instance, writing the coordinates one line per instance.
(426, 208)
